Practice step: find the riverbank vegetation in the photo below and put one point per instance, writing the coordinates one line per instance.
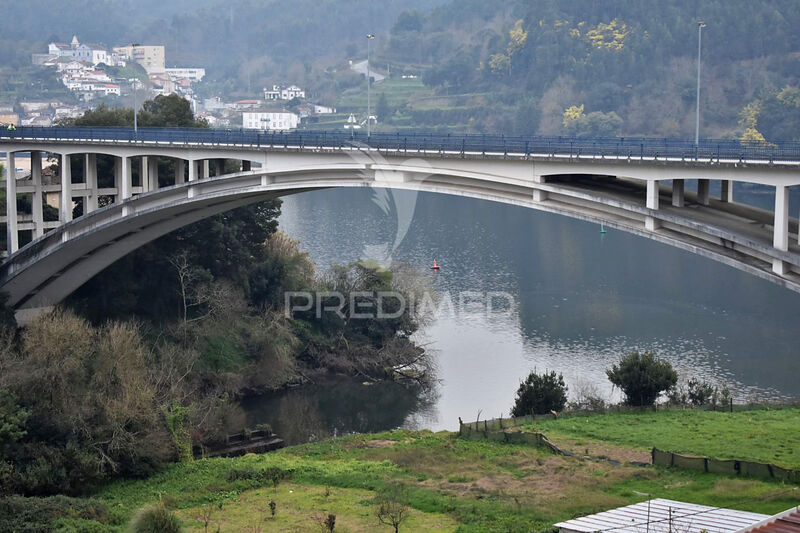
(449, 484)
(151, 355)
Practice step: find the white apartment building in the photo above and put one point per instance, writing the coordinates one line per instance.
(269, 120)
(151, 58)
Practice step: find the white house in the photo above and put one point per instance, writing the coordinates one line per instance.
(274, 94)
(92, 53)
(269, 120)
(323, 110)
(292, 91)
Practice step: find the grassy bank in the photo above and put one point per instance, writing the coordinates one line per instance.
(452, 484)
(767, 435)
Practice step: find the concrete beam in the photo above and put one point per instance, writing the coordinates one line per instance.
(36, 201)
(125, 185)
(193, 170)
(678, 193)
(703, 191)
(90, 171)
(152, 173)
(180, 171)
(65, 211)
(780, 231)
(727, 191)
(12, 235)
(651, 223)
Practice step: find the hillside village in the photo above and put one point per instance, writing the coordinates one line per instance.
(125, 75)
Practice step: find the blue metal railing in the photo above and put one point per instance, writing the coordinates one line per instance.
(638, 147)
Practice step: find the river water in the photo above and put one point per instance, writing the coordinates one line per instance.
(581, 298)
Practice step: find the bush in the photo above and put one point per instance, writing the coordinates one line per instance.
(155, 519)
(701, 392)
(642, 377)
(540, 394)
(18, 513)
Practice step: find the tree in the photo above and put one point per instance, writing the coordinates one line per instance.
(642, 377)
(540, 394)
(391, 507)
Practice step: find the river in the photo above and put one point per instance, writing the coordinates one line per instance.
(581, 298)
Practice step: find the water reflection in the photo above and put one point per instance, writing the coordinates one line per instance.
(340, 405)
(582, 299)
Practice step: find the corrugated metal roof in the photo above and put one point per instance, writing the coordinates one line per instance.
(664, 516)
(785, 522)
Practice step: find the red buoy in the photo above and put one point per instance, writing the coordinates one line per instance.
(435, 266)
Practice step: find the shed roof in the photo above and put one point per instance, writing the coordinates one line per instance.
(664, 516)
(785, 522)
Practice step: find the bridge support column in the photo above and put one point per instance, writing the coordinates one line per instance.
(144, 173)
(652, 223)
(12, 235)
(219, 167)
(539, 195)
(678, 193)
(703, 188)
(204, 169)
(90, 171)
(65, 211)
(726, 195)
(152, 173)
(180, 171)
(193, 170)
(781, 228)
(36, 201)
(125, 178)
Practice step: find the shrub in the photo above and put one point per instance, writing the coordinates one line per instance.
(155, 519)
(642, 377)
(701, 392)
(44, 514)
(540, 394)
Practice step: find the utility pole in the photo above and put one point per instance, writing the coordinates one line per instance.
(700, 26)
(135, 120)
(370, 37)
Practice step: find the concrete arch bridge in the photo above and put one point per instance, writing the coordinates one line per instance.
(635, 185)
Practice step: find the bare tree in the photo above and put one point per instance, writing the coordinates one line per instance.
(391, 508)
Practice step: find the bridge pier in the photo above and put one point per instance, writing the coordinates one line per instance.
(678, 193)
(180, 171)
(193, 170)
(781, 228)
(703, 191)
(90, 173)
(65, 169)
(152, 173)
(651, 223)
(12, 234)
(37, 208)
(538, 194)
(726, 195)
(219, 167)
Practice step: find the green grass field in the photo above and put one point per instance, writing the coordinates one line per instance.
(768, 436)
(452, 484)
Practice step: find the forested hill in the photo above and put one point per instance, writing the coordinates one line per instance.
(582, 67)
(632, 58)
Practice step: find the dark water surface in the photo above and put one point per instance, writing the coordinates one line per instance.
(581, 299)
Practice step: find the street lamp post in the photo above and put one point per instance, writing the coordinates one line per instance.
(370, 37)
(135, 121)
(700, 26)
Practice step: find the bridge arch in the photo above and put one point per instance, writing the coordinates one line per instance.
(48, 269)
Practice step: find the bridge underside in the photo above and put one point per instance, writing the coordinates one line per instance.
(646, 200)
